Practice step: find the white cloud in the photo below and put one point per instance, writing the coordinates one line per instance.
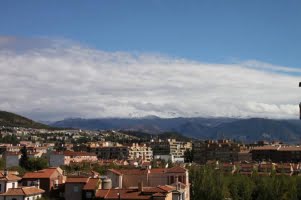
(56, 80)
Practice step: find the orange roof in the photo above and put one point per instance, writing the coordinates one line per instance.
(153, 189)
(290, 148)
(92, 184)
(9, 177)
(176, 169)
(267, 147)
(77, 179)
(130, 194)
(129, 171)
(74, 153)
(166, 188)
(44, 173)
(157, 170)
(159, 195)
(23, 191)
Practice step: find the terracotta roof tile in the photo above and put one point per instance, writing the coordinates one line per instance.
(176, 169)
(267, 147)
(9, 177)
(44, 173)
(77, 179)
(74, 153)
(124, 194)
(129, 171)
(166, 188)
(92, 184)
(23, 191)
(290, 148)
(145, 171)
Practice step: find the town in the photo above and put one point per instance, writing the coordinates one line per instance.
(83, 164)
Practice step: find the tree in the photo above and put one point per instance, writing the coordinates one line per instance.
(206, 183)
(24, 158)
(2, 163)
(35, 164)
(241, 188)
(169, 163)
(188, 156)
(10, 139)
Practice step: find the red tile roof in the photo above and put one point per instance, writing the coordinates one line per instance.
(157, 171)
(44, 173)
(9, 177)
(129, 171)
(77, 180)
(23, 191)
(130, 194)
(290, 148)
(166, 188)
(74, 153)
(176, 169)
(92, 184)
(267, 147)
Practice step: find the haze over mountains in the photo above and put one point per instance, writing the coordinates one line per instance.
(248, 130)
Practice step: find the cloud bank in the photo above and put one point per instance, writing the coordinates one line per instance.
(52, 80)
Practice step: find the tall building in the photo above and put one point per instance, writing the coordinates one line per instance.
(170, 149)
(221, 150)
(140, 152)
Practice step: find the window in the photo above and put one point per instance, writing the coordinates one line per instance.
(75, 189)
(13, 185)
(89, 195)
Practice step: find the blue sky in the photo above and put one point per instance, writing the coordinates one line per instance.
(226, 58)
(206, 31)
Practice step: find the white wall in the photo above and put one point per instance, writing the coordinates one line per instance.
(21, 197)
(8, 185)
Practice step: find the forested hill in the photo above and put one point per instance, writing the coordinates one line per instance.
(14, 120)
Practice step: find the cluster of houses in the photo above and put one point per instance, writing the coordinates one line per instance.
(102, 152)
(136, 179)
(153, 184)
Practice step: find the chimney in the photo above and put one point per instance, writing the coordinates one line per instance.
(5, 172)
(140, 186)
(38, 183)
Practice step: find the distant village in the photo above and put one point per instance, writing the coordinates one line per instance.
(80, 164)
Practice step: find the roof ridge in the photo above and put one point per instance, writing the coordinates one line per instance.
(107, 193)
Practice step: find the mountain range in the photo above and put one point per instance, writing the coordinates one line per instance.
(246, 130)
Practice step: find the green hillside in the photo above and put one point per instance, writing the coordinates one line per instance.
(14, 120)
